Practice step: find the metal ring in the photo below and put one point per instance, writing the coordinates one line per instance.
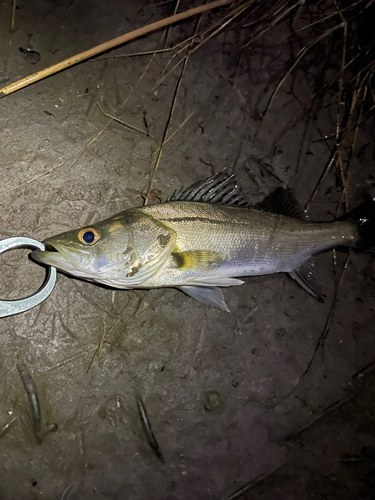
(11, 307)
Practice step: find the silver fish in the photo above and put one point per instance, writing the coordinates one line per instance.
(204, 238)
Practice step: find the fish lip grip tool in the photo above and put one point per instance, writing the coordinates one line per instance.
(11, 307)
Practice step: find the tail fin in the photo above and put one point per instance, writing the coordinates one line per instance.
(363, 217)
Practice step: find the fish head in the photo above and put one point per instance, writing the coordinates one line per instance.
(89, 252)
(123, 251)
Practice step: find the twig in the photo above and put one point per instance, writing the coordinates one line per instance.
(100, 345)
(80, 153)
(202, 36)
(364, 371)
(169, 27)
(69, 8)
(325, 412)
(133, 54)
(327, 168)
(48, 171)
(300, 55)
(273, 23)
(13, 16)
(5, 428)
(132, 127)
(175, 132)
(97, 350)
(165, 133)
(68, 360)
(255, 482)
(205, 40)
(174, 100)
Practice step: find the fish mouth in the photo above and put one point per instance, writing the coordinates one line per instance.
(50, 248)
(57, 255)
(51, 256)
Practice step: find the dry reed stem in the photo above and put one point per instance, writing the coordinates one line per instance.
(169, 27)
(115, 42)
(145, 53)
(185, 44)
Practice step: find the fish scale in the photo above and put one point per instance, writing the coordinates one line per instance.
(253, 242)
(203, 238)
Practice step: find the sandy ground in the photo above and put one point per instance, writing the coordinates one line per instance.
(222, 390)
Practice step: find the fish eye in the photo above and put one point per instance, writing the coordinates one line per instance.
(89, 236)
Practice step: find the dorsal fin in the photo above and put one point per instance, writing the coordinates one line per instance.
(220, 188)
(223, 189)
(281, 201)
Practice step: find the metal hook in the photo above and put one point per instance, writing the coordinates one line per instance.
(11, 307)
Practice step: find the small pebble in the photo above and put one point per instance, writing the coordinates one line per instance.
(212, 400)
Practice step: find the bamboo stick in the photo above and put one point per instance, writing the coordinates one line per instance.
(71, 61)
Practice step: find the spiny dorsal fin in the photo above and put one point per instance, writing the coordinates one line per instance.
(281, 201)
(220, 188)
(223, 189)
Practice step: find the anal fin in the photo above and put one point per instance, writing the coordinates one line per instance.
(306, 277)
(210, 295)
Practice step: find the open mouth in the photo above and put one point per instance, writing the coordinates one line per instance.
(50, 256)
(50, 248)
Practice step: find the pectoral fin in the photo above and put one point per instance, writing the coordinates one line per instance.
(210, 295)
(306, 277)
(202, 260)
